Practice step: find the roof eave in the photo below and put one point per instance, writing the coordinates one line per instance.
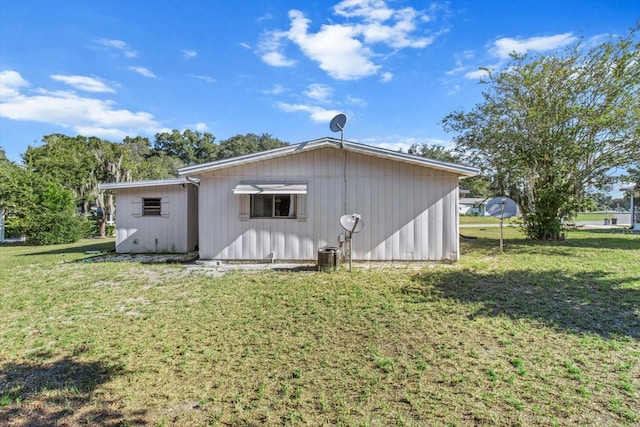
(142, 184)
(463, 171)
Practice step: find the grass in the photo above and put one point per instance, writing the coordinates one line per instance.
(480, 220)
(546, 333)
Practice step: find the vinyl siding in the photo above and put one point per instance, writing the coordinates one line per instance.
(151, 234)
(410, 211)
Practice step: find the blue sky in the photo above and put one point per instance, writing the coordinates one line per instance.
(394, 67)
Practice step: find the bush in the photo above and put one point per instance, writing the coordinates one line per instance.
(53, 219)
(56, 228)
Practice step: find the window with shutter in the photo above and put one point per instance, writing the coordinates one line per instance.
(151, 206)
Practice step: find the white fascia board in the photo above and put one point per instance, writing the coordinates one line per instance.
(464, 171)
(262, 188)
(140, 184)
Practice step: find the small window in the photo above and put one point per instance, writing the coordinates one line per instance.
(151, 207)
(273, 206)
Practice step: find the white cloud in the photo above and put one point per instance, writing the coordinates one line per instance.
(88, 84)
(477, 74)
(205, 78)
(270, 48)
(277, 59)
(87, 116)
(200, 127)
(454, 89)
(275, 90)
(119, 45)
(368, 10)
(352, 100)
(334, 47)
(245, 45)
(10, 84)
(143, 72)
(316, 114)
(386, 77)
(503, 47)
(318, 92)
(346, 50)
(458, 69)
(189, 54)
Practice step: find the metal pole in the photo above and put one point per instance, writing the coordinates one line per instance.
(501, 222)
(355, 224)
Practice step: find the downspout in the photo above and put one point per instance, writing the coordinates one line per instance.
(191, 180)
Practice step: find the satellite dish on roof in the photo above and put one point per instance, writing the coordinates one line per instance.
(338, 122)
(337, 125)
(502, 207)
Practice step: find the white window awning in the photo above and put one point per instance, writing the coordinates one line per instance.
(270, 189)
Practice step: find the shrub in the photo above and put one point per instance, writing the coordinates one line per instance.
(52, 219)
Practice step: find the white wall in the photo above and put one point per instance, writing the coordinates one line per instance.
(410, 211)
(150, 234)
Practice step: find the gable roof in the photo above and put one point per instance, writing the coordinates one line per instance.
(464, 171)
(139, 184)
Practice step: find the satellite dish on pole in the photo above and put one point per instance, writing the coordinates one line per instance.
(353, 224)
(501, 207)
(337, 124)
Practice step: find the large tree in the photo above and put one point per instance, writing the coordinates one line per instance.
(65, 160)
(551, 127)
(239, 145)
(478, 186)
(38, 208)
(192, 147)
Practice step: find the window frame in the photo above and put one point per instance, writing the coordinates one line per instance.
(155, 209)
(293, 199)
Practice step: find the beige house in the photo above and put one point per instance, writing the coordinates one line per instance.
(156, 216)
(286, 203)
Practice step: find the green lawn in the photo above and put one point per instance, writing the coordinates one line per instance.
(543, 334)
(589, 216)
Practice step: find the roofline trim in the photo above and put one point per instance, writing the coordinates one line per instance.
(141, 184)
(465, 171)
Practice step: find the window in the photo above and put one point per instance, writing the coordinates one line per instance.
(273, 206)
(271, 200)
(151, 207)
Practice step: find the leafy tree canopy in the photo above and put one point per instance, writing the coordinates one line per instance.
(191, 147)
(240, 145)
(551, 127)
(75, 166)
(478, 186)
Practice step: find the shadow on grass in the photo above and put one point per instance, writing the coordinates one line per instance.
(99, 245)
(58, 393)
(584, 302)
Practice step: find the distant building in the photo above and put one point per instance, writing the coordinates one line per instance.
(635, 206)
(473, 206)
